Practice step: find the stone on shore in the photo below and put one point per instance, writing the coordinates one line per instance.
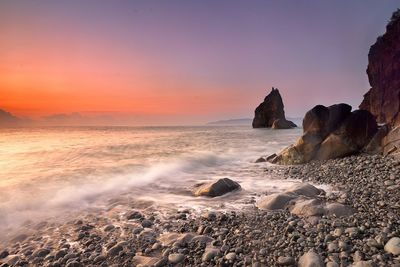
(304, 207)
(311, 259)
(175, 258)
(316, 120)
(393, 246)
(305, 189)
(210, 253)
(218, 188)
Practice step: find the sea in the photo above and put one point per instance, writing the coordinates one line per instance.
(51, 171)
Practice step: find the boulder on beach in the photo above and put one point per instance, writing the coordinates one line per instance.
(351, 137)
(328, 133)
(316, 119)
(275, 201)
(304, 189)
(338, 113)
(270, 113)
(305, 207)
(217, 188)
(337, 209)
(278, 201)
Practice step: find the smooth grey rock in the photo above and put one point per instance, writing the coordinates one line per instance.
(217, 188)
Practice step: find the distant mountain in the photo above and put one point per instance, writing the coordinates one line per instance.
(245, 121)
(7, 119)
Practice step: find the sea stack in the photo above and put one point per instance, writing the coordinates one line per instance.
(383, 99)
(270, 113)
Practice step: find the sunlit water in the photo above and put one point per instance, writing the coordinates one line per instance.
(47, 170)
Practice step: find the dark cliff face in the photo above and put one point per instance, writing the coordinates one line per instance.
(383, 99)
(269, 110)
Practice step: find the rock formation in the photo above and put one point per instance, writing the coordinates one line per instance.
(383, 99)
(270, 113)
(330, 132)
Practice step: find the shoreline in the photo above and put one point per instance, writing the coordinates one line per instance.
(253, 237)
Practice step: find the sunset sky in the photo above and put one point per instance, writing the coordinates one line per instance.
(180, 62)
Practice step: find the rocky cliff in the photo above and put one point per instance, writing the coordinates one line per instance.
(270, 113)
(383, 99)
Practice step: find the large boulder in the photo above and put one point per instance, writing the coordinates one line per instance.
(283, 124)
(338, 113)
(383, 99)
(217, 188)
(301, 152)
(270, 110)
(359, 128)
(315, 120)
(334, 146)
(351, 137)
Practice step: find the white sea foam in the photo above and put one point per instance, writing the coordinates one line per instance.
(45, 172)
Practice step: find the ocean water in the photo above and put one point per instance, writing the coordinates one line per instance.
(45, 172)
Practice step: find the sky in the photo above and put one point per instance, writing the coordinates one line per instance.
(183, 62)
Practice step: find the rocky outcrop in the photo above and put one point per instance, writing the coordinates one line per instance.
(328, 133)
(270, 113)
(383, 99)
(217, 188)
(283, 124)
